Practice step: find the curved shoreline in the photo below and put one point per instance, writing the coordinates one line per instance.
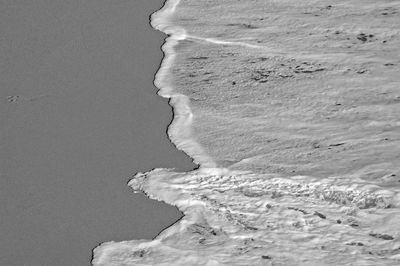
(179, 131)
(81, 115)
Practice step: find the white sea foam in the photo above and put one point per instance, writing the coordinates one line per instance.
(242, 218)
(180, 130)
(291, 170)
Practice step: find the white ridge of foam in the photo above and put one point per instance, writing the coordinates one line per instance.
(179, 130)
(222, 42)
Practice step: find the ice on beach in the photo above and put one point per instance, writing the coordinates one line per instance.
(292, 110)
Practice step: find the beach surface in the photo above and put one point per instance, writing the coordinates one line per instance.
(291, 109)
(79, 117)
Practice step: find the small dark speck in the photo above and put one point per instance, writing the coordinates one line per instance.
(382, 236)
(355, 244)
(362, 37)
(266, 257)
(199, 58)
(320, 215)
(339, 221)
(336, 144)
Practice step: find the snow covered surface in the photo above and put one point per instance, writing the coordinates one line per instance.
(291, 109)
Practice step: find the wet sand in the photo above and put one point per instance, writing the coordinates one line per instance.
(79, 117)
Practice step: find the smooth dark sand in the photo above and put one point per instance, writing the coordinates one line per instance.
(79, 116)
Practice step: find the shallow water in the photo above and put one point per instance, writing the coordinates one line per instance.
(292, 110)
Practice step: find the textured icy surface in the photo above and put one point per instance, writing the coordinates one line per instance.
(292, 110)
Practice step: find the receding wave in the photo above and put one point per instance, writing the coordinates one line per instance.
(291, 109)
